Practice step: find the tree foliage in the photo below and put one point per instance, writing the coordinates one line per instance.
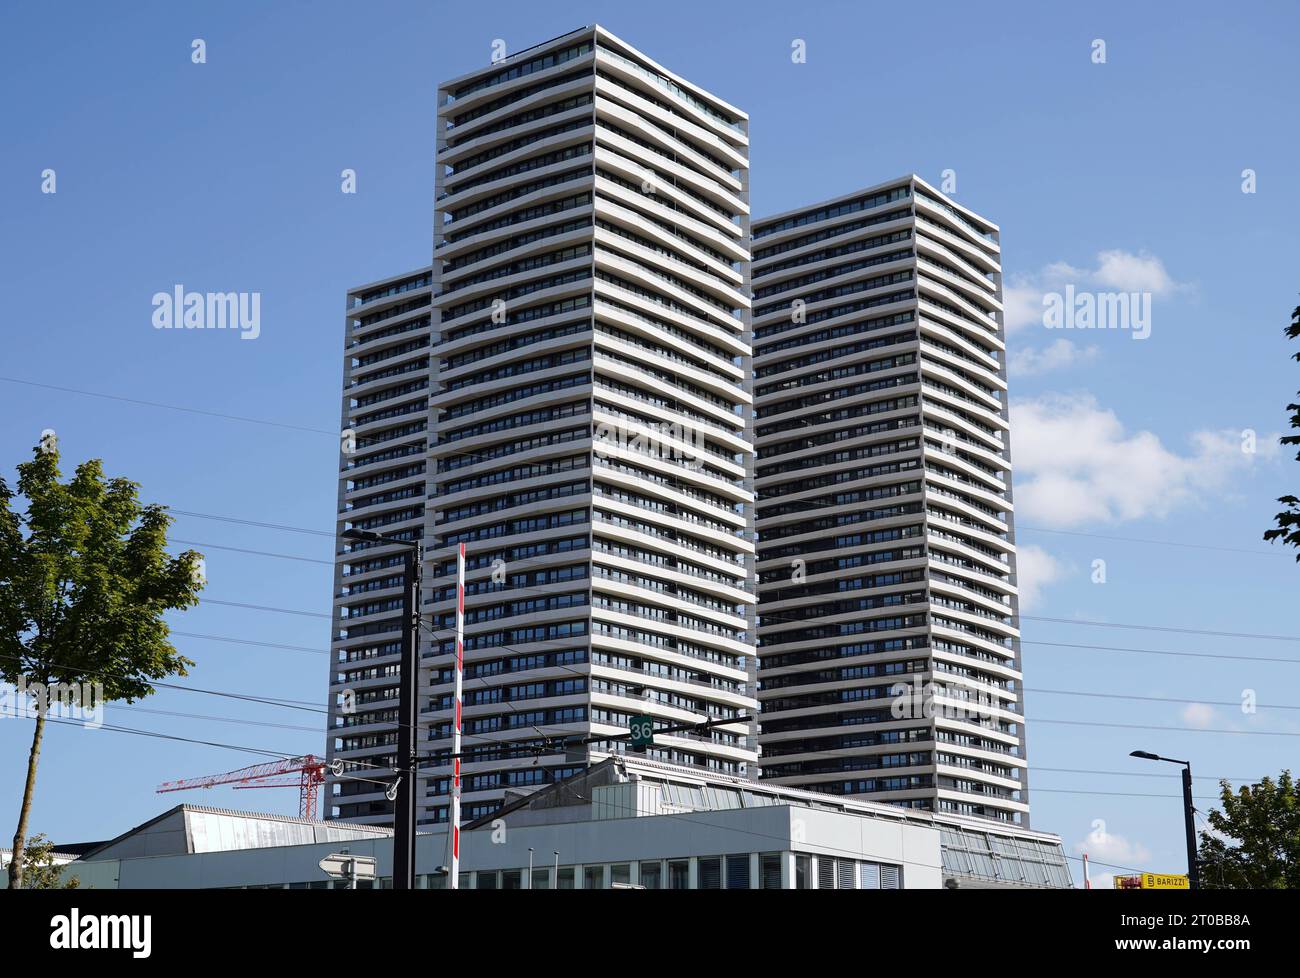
(39, 869)
(1288, 521)
(1254, 842)
(85, 578)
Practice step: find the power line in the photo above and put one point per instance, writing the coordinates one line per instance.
(256, 553)
(1141, 726)
(288, 704)
(170, 407)
(1138, 774)
(1162, 628)
(117, 728)
(244, 522)
(249, 641)
(1195, 655)
(1158, 699)
(262, 607)
(242, 721)
(1114, 794)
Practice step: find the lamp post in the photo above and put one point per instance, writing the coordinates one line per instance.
(407, 707)
(1189, 819)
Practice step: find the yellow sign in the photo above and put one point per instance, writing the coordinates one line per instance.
(1164, 881)
(1152, 881)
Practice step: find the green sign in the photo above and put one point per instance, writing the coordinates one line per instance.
(642, 729)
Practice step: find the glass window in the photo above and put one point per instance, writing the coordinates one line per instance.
(844, 868)
(620, 873)
(593, 877)
(566, 878)
(652, 876)
(679, 875)
(803, 872)
(486, 881)
(825, 873)
(769, 871)
(711, 873)
(891, 877)
(541, 879)
(512, 879)
(738, 872)
(869, 876)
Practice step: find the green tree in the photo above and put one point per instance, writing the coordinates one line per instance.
(1288, 521)
(1255, 844)
(84, 580)
(39, 869)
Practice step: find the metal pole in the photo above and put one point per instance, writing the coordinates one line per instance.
(530, 867)
(556, 883)
(408, 718)
(1193, 872)
(454, 882)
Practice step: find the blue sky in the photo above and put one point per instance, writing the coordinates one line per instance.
(1123, 175)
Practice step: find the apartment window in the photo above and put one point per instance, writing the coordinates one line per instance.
(869, 876)
(803, 872)
(891, 877)
(825, 873)
(593, 877)
(679, 875)
(845, 874)
(738, 872)
(711, 874)
(769, 871)
(652, 876)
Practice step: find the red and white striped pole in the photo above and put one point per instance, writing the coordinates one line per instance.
(1087, 879)
(454, 881)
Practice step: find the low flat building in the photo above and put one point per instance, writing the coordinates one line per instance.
(626, 821)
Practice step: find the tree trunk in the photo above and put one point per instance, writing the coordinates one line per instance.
(29, 789)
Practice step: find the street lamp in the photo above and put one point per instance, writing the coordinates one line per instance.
(407, 713)
(1193, 874)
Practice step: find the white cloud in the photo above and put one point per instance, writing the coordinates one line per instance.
(1133, 273)
(1199, 715)
(1035, 570)
(1059, 355)
(1076, 463)
(1115, 270)
(1022, 305)
(1107, 847)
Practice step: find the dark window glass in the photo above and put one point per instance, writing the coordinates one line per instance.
(679, 875)
(825, 873)
(802, 873)
(738, 872)
(769, 871)
(711, 874)
(651, 876)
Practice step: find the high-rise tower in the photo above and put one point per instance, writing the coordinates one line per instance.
(588, 406)
(382, 488)
(889, 653)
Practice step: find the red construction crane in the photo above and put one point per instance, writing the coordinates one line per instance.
(309, 768)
